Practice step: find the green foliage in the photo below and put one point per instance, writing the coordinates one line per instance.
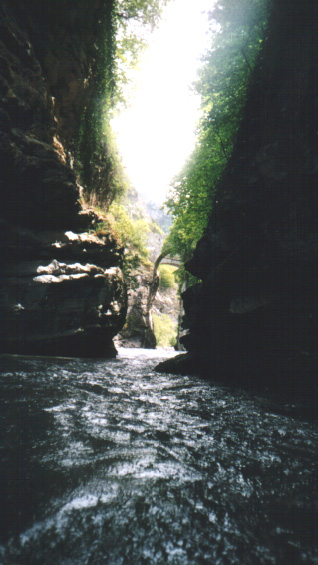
(95, 150)
(101, 170)
(135, 20)
(155, 228)
(131, 234)
(165, 331)
(146, 12)
(166, 277)
(118, 42)
(223, 82)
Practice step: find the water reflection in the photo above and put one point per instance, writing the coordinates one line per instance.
(110, 462)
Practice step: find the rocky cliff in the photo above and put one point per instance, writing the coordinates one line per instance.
(138, 330)
(254, 316)
(62, 291)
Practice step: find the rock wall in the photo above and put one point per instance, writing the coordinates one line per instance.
(254, 316)
(62, 291)
(138, 330)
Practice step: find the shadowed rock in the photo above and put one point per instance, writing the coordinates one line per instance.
(254, 315)
(61, 288)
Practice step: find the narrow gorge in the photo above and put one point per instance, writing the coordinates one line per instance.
(114, 450)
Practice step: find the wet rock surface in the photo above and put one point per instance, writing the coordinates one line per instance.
(112, 462)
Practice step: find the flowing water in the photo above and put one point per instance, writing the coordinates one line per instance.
(109, 462)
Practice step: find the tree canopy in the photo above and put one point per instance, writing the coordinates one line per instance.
(133, 20)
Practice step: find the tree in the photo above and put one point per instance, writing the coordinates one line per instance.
(146, 12)
(134, 21)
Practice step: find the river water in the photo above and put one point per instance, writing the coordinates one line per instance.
(109, 462)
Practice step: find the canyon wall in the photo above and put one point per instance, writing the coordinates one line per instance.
(253, 318)
(62, 290)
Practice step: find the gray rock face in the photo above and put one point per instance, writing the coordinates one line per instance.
(61, 288)
(50, 307)
(138, 330)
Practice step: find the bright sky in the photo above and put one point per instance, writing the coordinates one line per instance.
(156, 134)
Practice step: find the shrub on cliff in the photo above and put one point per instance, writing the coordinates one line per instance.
(166, 277)
(165, 331)
(130, 234)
